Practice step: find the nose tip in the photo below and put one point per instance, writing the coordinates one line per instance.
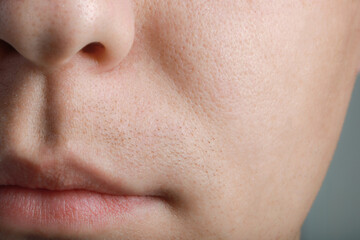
(51, 33)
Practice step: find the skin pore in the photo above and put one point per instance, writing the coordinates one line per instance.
(231, 109)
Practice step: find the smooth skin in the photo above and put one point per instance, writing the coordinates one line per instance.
(233, 108)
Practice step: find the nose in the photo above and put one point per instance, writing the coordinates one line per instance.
(51, 33)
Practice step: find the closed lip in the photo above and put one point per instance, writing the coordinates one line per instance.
(55, 214)
(67, 172)
(59, 195)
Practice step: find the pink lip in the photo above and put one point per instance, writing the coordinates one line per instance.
(71, 210)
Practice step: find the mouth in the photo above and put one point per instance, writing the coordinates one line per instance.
(58, 198)
(41, 210)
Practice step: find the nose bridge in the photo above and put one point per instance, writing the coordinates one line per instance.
(49, 33)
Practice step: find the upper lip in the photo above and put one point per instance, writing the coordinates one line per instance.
(58, 175)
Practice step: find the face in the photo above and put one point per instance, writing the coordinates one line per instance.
(223, 115)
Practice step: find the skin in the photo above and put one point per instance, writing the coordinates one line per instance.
(232, 109)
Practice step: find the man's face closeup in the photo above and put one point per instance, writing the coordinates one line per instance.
(170, 119)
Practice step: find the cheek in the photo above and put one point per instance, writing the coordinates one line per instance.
(262, 68)
(271, 80)
(204, 49)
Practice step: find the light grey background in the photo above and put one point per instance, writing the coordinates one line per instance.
(335, 213)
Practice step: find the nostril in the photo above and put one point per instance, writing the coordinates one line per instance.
(94, 51)
(93, 48)
(6, 48)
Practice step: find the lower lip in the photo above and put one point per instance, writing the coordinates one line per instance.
(74, 210)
